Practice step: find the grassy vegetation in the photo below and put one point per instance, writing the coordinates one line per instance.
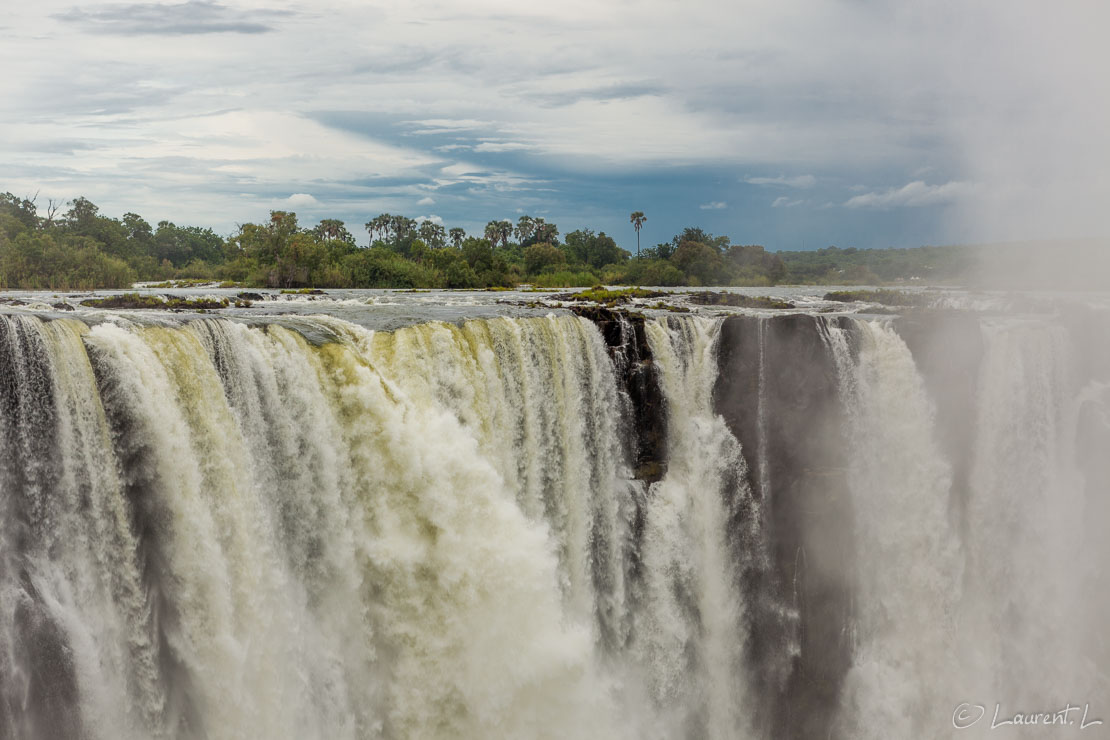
(83, 249)
(661, 306)
(183, 283)
(851, 266)
(607, 297)
(708, 298)
(564, 279)
(137, 301)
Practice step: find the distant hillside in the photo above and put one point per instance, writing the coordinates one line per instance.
(851, 266)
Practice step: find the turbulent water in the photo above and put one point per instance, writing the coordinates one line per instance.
(551, 526)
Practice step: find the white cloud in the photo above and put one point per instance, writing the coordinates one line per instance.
(446, 126)
(501, 146)
(300, 200)
(913, 195)
(783, 202)
(717, 205)
(433, 218)
(180, 119)
(426, 201)
(798, 181)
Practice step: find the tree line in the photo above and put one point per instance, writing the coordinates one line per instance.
(81, 248)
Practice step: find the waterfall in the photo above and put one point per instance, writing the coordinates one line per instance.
(991, 601)
(691, 634)
(1038, 553)
(557, 526)
(906, 574)
(282, 544)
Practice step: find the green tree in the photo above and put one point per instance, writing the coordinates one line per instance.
(82, 214)
(596, 250)
(378, 226)
(333, 229)
(540, 256)
(457, 236)
(504, 231)
(22, 209)
(525, 228)
(432, 234)
(699, 261)
(637, 218)
(545, 232)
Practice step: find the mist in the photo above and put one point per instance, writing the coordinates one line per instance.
(1029, 118)
(404, 514)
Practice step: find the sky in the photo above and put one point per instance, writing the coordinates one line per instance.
(793, 124)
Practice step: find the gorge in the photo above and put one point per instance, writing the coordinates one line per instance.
(591, 525)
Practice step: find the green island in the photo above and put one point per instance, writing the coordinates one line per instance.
(883, 297)
(82, 249)
(137, 301)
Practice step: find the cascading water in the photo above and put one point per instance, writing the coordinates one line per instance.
(544, 527)
(907, 572)
(1034, 568)
(690, 632)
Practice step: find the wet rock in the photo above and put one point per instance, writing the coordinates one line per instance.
(947, 348)
(638, 379)
(724, 298)
(778, 392)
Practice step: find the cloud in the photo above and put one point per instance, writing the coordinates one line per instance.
(183, 19)
(300, 200)
(913, 195)
(716, 205)
(433, 126)
(620, 91)
(685, 96)
(783, 202)
(798, 181)
(501, 146)
(426, 201)
(433, 218)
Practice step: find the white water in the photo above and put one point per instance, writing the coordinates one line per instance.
(424, 533)
(692, 627)
(1003, 617)
(907, 571)
(1032, 570)
(225, 530)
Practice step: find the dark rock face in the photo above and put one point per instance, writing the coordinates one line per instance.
(947, 348)
(779, 394)
(638, 379)
(38, 681)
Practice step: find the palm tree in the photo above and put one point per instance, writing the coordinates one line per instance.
(505, 230)
(493, 232)
(526, 226)
(637, 219)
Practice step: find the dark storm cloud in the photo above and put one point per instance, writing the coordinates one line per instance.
(183, 19)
